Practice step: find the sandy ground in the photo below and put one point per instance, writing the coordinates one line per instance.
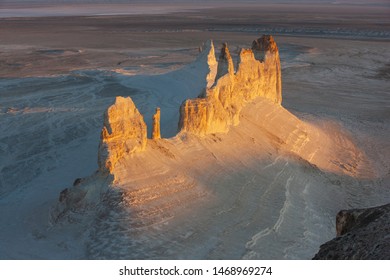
(58, 75)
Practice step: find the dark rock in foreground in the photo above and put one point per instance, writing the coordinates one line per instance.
(361, 234)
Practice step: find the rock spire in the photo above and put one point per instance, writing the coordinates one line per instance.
(225, 62)
(156, 125)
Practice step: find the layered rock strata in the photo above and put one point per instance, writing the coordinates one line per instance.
(361, 234)
(142, 185)
(124, 133)
(258, 74)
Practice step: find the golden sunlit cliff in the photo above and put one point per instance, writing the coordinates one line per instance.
(214, 111)
(236, 123)
(124, 132)
(258, 75)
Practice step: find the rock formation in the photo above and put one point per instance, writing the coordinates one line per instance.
(361, 234)
(208, 50)
(258, 74)
(124, 132)
(156, 125)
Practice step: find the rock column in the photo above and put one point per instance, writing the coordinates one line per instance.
(124, 133)
(156, 125)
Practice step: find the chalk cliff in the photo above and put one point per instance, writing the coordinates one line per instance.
(258, 74)
(219, 107)
(146, 191)
(124, 132)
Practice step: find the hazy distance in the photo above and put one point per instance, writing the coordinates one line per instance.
(365, 2)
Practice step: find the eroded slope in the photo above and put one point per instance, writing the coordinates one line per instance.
(243, 178)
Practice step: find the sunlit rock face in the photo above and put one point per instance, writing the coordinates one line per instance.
(206, 58)
(208, 49)
(124, 132)
(156, 134)
(361, 234)
(258, 74)
(270, 179)
(266, 50)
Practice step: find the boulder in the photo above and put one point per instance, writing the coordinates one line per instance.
(361, 234)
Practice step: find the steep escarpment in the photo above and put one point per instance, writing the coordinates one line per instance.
(219, 107)
(258, 75)
(245, 192)
(361, 234)
(124, 133)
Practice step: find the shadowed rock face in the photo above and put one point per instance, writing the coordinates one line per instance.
(225, 62)
(263, 45)
(258, 75)
(361, 234)
(124, 132)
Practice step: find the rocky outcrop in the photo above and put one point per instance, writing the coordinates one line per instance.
(124, 132)
(207, 58)
(156, 134)
(361, 234)
(258, 75)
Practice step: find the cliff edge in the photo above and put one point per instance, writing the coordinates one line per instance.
(258, 75)
(274, 178)
(124, 133)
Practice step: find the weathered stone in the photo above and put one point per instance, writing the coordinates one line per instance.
(124, 132)
(211, 62)
(206, 58)
(361, 234)
(156, 125)
(63, 195)
(220, 106)
(225, 62)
